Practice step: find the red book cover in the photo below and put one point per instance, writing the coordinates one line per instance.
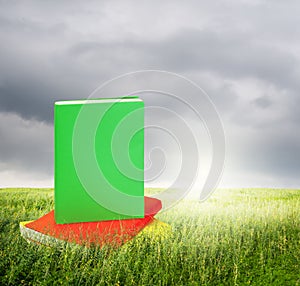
(114, 232)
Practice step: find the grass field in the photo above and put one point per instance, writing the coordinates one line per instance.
(237, 237)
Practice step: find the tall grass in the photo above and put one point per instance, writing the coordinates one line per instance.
(237, 237)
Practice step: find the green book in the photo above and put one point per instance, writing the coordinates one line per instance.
(99, 159)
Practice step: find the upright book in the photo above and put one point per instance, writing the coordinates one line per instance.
(99, 160)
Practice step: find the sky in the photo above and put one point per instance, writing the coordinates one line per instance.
(245, 55)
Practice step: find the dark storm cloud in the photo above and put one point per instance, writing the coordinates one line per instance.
(74, 68)
(28, 99)
(26, 145)
(233, 55)
(244, 54)
(187, 52)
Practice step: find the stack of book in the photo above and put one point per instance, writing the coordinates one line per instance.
(98, 175)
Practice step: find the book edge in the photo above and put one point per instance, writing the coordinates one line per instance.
(93, 101)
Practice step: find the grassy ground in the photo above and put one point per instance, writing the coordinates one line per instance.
(237, 237)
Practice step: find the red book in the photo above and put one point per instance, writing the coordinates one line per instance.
(114, 232)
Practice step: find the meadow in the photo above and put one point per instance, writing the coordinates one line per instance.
(237, 237)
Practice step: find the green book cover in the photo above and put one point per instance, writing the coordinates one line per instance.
(99, 159)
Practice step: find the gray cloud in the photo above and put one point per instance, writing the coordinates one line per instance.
(263, 101)
(26, 146)
(244, 54)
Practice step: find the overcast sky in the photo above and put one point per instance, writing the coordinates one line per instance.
(245, 54)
